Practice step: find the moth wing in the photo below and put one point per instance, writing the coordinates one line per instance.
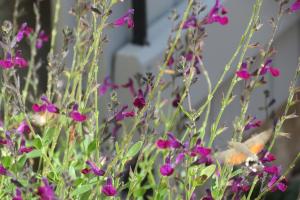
(256, 143)
(231, 157)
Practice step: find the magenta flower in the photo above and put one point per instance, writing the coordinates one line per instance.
(96, 170)
(25, 30)
(122, 114)
(275, 72)
(10, 62)
(108, 189)
(295, 6)
(77, 116)
(23, 148)
(191, 22)
(214, 16)
(18, 195)
(273, 170)
(268, 157)
(127, 18)
(3, 170)
(46, 106)
(46, 192)
(23, 128)
(282, 185)
(43, 37)
(106, 85)
(243, 73)
(139, 101)
(253, 123)
(167, 169)
(171, 142)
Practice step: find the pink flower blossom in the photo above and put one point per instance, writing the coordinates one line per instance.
(10, 62)
(275, 72)
(214, 16)
(171, 142)
(23, 148)
(295, 6)
(127, 18)
(191, 22)
(46, 106)
(243, 73)
(130, 86)
(122, 114)
(43, 37)
(106, 85)
(25, 30)
(23, 128)
(108, 189)
(253, 123)
(77, 116)
(46, 192)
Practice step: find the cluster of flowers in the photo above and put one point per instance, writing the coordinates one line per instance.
(17, 60)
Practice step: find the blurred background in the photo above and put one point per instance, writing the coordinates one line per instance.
(140, 50)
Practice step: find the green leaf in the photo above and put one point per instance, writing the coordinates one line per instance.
(134, 149)
(34, 154)
(37, 142)
(6, 161)
(21, 162)
(47, 138)
(91, 147)
(209, 170)
(81, 189)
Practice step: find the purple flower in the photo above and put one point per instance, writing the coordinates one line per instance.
(108, 189)
(127, 18)
(121, 115)
(18, 195)
(171, 142)
(25, 30)
(46, 106)
(46, 192)
(3, 171)
(23, 148)
(77, 116)
(191, 22)
(295, 6)
(282, 185)
(167, 169)
(10, 62)
(273, 170)
(268, 157)
(43, 37)
(208, 195)
(139, 101)
(253, 123)
(214, 16)
(170, 61)
(130, 86)
(243, 73)
(275, 72)
(106, 85)
(96, 170)
(203, 153)
(23, 128)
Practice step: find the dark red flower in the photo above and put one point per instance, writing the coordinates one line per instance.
(139, 101)
(77, 116)
(214, 16)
